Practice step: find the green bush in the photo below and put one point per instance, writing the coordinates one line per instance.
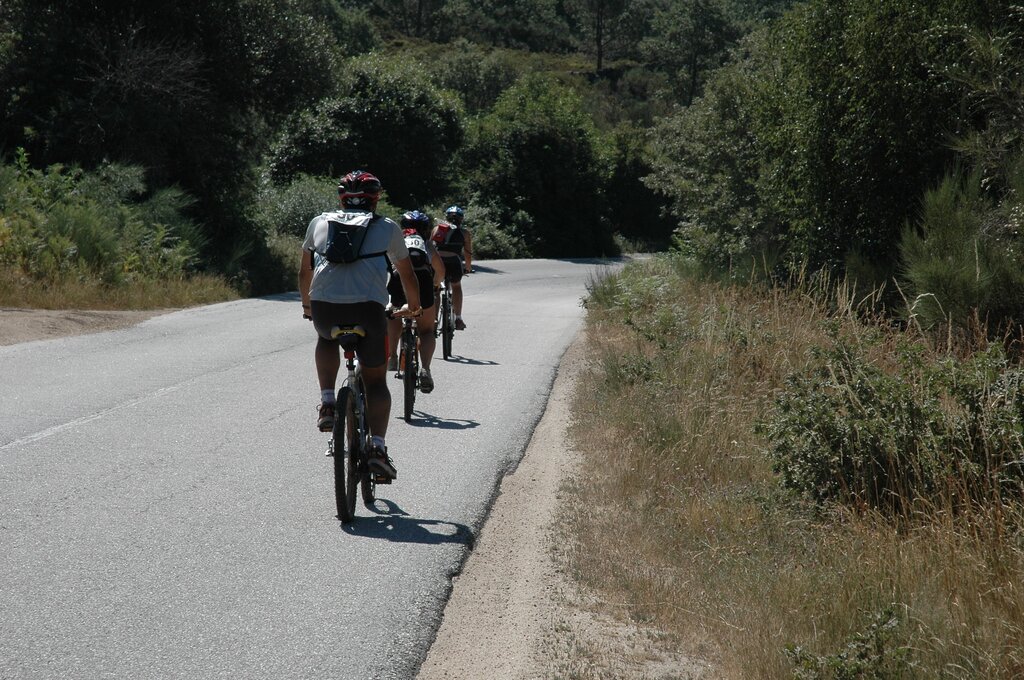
(538, 153)
(60, 223)
(287, 208)
(390, 119)
(873, 653)
(478, 76)
(947, 432)
(962, 260)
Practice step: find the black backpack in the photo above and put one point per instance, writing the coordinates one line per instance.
(345, 238)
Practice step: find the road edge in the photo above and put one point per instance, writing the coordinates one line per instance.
(503, 603)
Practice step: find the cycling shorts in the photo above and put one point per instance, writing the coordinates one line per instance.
(452, 267)
(372, 349)
(426, 281)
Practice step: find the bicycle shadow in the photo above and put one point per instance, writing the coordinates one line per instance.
(457, 359)
(424, 419)
(486, 270)
(390, 522)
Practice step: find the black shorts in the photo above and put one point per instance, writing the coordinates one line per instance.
(452, 267)
(372, 349)
(397, 293)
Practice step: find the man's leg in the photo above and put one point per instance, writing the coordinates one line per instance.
(378, 399)
(328, 362)
(428, 341)
(394, 334)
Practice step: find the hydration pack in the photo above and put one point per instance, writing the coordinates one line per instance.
(449, 238)
(339, 237)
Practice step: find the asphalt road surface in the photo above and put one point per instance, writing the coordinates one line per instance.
(167, 510)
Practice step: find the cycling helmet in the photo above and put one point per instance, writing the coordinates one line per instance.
(359, 189)
(454, 214)
(414, 219)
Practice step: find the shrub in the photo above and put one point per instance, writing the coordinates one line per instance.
(946, 432)
(537, 153)
(962, 259)
(390, 119)
(287, 208)
(59, 223)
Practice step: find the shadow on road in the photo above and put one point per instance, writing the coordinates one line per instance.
(455, 359)
(423, 419)
(392, 523)
(486, 270)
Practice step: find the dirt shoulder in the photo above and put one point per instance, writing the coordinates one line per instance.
(514, 613)
(24, 325)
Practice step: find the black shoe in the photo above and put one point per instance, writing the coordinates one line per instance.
(325, 422)
(426, 382)
(379, 462)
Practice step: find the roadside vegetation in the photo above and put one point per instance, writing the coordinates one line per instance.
(777, 478)
(218, 118)
(803, 427)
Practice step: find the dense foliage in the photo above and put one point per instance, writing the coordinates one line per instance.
(843, 135)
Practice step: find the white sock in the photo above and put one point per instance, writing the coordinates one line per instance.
(327, 397)
(377, 441)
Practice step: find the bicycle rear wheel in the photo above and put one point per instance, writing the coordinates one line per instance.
(346, 455)
(410, 376)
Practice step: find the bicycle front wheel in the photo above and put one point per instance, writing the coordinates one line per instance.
(346, 455)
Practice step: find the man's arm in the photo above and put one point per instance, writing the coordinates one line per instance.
(438, 265)
(409, 284)
(305, 279)
(467, 250)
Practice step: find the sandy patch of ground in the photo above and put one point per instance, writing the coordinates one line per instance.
(513, 614)
(23, 325)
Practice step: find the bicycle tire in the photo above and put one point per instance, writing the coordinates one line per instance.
(410, 375)
(447, 325)
(363, 478)
(346, 455)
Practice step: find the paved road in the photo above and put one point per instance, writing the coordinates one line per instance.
(166, 508)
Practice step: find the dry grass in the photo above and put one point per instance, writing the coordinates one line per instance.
(682, 526)
(17, 290)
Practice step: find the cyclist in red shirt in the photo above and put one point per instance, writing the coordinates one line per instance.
(455, 243)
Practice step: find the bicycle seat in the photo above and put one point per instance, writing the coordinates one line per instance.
(347, 336)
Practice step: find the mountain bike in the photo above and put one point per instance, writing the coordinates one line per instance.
(446, 322)
(409, 364)
(349, 444)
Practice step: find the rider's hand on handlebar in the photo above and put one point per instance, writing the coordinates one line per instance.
(405, 311)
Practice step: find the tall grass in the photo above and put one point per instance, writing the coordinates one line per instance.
(682, 524)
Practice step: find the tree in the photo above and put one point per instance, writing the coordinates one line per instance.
(535, 25)
(185, 89)
(598, 20)
(536, 157)
(689, 39)
(388, 119)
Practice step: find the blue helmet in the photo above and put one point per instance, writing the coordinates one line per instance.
(455, 214)
(414, 219)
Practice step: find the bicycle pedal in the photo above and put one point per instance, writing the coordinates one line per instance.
(381, 479)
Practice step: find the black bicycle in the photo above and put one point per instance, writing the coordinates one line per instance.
(409, 364)
(446, 324)
(349, 444)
